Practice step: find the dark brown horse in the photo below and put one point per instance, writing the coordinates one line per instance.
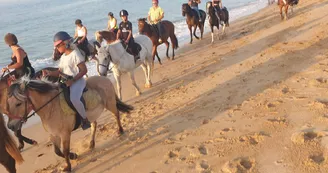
(286, 4)
(214, 20)
(192, 20)
(152, 33)
(9, 154)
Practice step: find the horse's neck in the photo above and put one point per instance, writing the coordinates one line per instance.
(3, 100)
(117, 52)
(38, 100)
(149, 31)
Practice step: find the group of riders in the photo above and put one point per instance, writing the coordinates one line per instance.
(217, 4)
(72, 62)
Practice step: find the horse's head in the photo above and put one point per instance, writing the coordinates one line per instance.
(142, 22)
(98, 37)
(185, 9)
(103, 60)
(19, 101)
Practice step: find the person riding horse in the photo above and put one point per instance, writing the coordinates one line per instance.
(217, 4)
(81, 33)
(71, 64)
(112, 23)
(155, 15)
(125, 34)
(194, 5)
(22, 66)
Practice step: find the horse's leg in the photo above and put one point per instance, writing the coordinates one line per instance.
(9, 164)
(115, 111)
(93, 135)
(118, 83)
(66, 150)
(147, 75)
(223, 30)
(167, 49)
(282, 17)
(286, 11)
(18, 134)
(56, 142)
(131, 74)
(158, 58)
(190, 30)
(201, 27)
(173, 47)
(154, 52)
(212, 33)
(195, 28)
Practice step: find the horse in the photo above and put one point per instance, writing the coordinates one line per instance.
(214, 20)
(152, 32)
(286, 4)
(9, 154)
(46, 99)
(122, 61)
(192, 20)
(15, 124)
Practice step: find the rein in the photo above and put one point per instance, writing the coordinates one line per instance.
(26, 117)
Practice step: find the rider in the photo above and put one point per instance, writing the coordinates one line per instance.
(217, 4)
(194, 5)
(155, 15)
(20, 61)
(71, 64)
(81, 35)
(125, 34)
(112, 23)
(22, 66)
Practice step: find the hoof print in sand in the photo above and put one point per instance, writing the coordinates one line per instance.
(318, 158)
(254, 138)
(278, 120)
(203, 150)
(307, 136)
(239, 165)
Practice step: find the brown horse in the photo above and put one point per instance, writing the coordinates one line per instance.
(152, 33)
(9, 154)
(286, 4)
(193, 21)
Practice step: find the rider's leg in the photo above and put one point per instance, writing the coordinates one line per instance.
(158, 25)
(198, 13)
(216, 12)
(76, 90)
(133, 47)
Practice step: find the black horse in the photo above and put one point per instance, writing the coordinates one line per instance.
(223, 19)
(192, 20)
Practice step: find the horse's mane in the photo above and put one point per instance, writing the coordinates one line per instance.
(41, 86)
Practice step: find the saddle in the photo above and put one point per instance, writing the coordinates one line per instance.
(155, 29)
(130, 49)
(78, 118)
(195, 13)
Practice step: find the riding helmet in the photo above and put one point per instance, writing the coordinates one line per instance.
(60, 37)
(11, 39)
(124, 13)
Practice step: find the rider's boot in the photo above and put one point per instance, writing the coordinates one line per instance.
(85, 124)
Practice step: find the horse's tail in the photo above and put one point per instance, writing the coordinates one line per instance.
(10, 144)
(175, 41)
(122, 106)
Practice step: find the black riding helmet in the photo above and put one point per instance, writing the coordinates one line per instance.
(60, 37)
(124, 13)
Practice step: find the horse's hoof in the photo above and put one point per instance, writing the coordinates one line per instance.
(72, 156)
(120, 132)
(149, 85)
(20, 147)
(138, 93)
(92, 145)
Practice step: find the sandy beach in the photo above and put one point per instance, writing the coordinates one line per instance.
(254, 102)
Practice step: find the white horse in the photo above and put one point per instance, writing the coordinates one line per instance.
(122, 61)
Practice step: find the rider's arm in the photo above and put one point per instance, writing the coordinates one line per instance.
(85, 35)
(162, 15)
(115, 23)
(130, 32)
(82, 71)
(19, 56)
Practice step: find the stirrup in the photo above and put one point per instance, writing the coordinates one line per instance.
(160, 40)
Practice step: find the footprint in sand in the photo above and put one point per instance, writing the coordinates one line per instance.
(307, 135)
(322, 80)
(203, 150)
(278, 120)
(254, 138)
(239, 165)
(317, 158)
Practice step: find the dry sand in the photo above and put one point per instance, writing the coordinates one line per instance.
(253, 102)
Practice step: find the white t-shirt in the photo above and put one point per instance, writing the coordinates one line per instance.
(68, 63)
